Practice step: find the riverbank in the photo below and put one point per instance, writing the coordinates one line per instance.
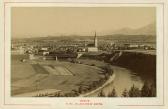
(142, 64)
(110, 80)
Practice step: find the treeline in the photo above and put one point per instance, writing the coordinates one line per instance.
(146, 91)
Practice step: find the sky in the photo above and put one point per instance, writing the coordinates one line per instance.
(56, 21)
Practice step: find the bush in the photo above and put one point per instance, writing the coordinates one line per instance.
(101, 94)
(92, 64)
(113, 93)
(125, 93)
(148, 90)
(134, 92)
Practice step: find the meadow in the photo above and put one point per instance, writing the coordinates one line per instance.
(37, 75)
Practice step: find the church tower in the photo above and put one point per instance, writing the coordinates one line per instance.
(95, 40)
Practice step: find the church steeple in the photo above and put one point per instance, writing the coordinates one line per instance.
(95, 40)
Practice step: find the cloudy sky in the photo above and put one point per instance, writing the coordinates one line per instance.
(55, 21)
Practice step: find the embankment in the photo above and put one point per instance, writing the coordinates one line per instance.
(142, 64)
(110, 80)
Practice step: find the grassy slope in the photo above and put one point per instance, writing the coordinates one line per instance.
(25, 76)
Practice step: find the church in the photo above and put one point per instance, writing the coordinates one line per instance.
(93, 47)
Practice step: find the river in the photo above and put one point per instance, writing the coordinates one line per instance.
(124, 78)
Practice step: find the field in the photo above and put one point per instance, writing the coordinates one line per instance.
(37, 75)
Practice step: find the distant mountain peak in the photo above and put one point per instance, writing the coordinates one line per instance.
(149, 29)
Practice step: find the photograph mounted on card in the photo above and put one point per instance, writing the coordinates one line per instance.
(84, 55)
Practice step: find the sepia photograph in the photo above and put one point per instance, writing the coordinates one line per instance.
(83, 52)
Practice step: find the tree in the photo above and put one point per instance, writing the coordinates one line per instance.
(152, 91)
(145, 91)
(76, 93)
(125, 93)
(101, 94)
(113, 93)
(108, 70)
(106, 76)
(80, 90)
(134, 92)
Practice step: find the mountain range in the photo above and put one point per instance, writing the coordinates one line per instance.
(149, 29)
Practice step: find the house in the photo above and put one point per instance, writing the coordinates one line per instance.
(43, 52)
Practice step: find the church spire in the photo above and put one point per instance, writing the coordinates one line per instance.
(95, 40)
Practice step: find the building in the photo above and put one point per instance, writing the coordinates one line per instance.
(61, 55)
(93, 47)
(43, 52)
(18, 50)
(44, 48)
(31, 56)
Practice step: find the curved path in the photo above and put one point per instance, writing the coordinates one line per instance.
(110, 80)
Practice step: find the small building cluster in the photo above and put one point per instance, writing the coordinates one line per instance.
(66, 51)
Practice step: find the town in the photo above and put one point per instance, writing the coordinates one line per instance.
(70, 48)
